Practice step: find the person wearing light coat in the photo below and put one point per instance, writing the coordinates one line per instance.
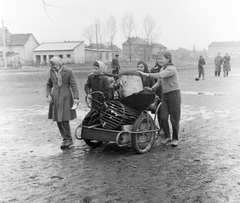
(62, 92)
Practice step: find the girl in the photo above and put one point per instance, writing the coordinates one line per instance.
(171, 103)
(97, 81)
(142, 66)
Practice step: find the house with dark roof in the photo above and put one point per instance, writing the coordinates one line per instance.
(70, 51)
(232, 48)
(138, 49)
(18, 47)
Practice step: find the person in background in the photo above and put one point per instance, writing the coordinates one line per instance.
(201, 64)
(226, 65)
(62, 92)
(142, 66)
(115, 65)
(218, 65)
(171, 103)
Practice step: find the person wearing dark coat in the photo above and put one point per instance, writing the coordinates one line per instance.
(115, 65)
(218, 65)
(201, 64)
(62, 92)
(226, 65)
(97, 81)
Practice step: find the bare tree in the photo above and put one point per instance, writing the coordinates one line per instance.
(112, 29)
(89, 34)
(100, 31)
(128, 26)
(150, 33)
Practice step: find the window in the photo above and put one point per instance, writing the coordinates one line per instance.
(60, 55)
(68, 55)
(107, 56)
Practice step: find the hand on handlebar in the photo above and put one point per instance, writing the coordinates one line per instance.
(148, 88)
(89, 96)
(49, 99)
(76, 101)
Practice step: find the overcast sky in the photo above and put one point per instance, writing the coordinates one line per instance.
(183, 23)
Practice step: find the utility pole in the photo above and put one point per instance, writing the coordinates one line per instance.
(96, 40)
(4, 50)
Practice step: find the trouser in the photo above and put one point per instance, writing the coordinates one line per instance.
(171, 106)
(225, 73)
(217, 73)
(200, 72)
(159, 118)
(64, 129)
(115, 71)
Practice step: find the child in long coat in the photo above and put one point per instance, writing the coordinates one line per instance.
(62, 92)
(96, 81)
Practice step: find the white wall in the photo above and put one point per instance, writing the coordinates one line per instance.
(29, 46)
(79, 54)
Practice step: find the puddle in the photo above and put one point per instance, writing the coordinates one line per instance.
(206, 93)
(189, 113)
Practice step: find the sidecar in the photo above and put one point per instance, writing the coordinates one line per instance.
(125, 120)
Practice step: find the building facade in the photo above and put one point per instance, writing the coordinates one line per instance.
(104, 55)
(71, 52)
(232, 48)
(136, 48)
(18, 47)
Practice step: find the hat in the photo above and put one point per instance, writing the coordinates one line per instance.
(116, 55)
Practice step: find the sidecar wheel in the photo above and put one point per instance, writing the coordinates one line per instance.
(143, 142)
(93, 143)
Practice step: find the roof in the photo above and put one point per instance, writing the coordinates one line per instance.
(135, 40)
(217, 44)
(58, 46)
(100, 50)
(17, 39)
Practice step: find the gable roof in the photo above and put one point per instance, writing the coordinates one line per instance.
(135, 40)
(217, 44)
(17, 39)
(58, 46)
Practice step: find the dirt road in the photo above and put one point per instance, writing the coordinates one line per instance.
(205, 167)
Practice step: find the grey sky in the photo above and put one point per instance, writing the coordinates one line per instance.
(183, 23)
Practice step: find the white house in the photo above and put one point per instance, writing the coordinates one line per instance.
(17, 47)
(232, 48)
(71, 51)
(104, 55)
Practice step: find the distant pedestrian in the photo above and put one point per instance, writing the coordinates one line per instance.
(218, 65)
(226, 65)
(115, 65)
(171, 103)
(62, 93)
(201, 65)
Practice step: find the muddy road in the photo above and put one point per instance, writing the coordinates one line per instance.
(205, 167)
